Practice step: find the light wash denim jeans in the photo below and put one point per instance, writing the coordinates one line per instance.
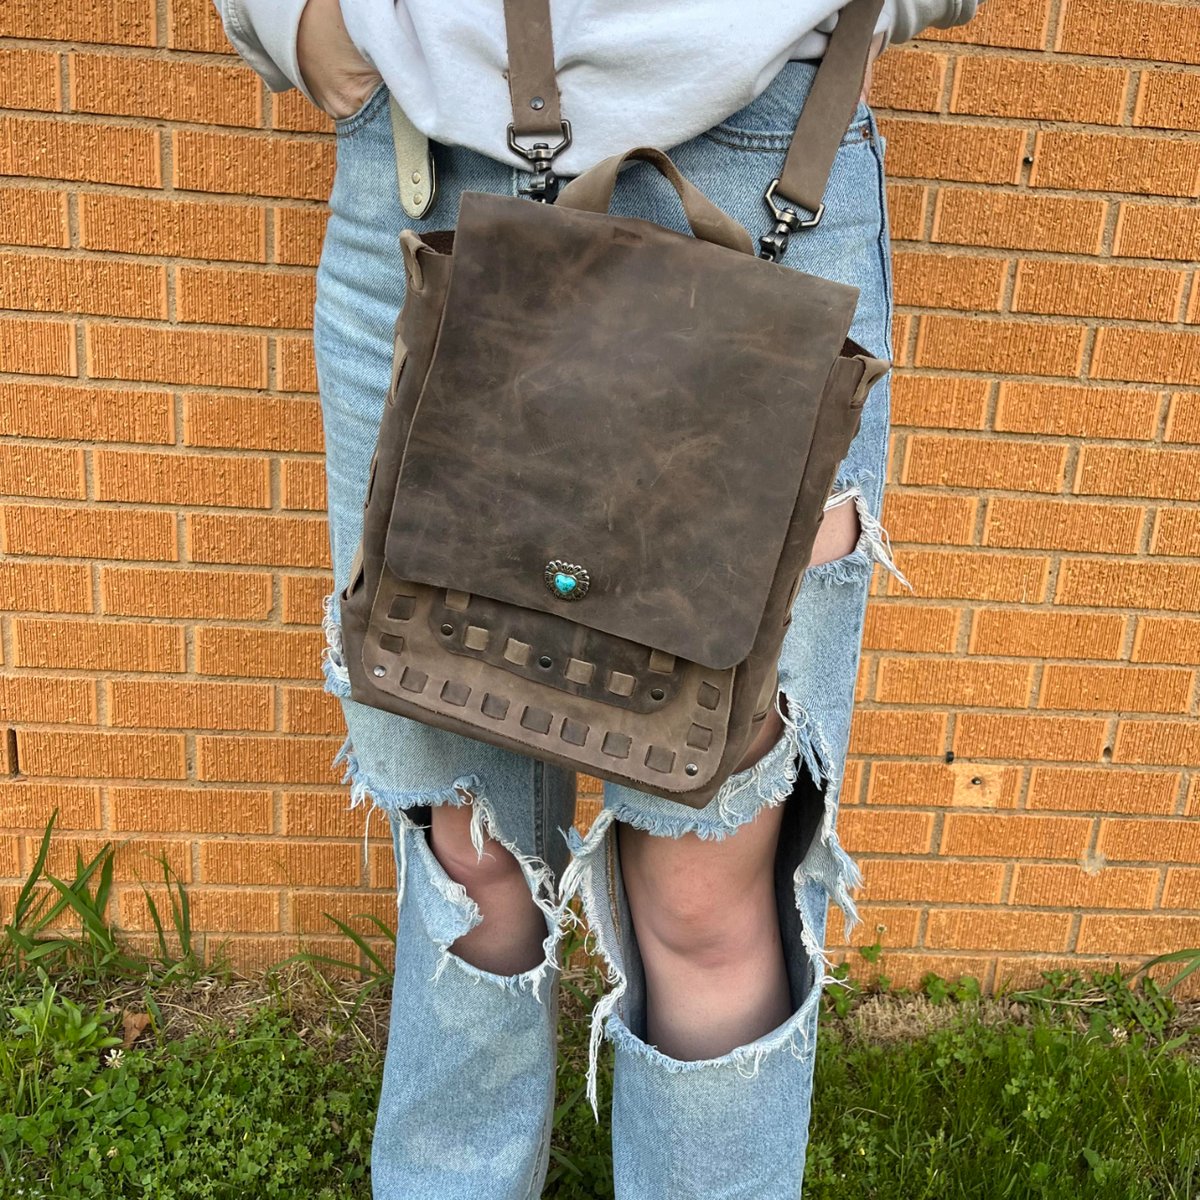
(468, 1084)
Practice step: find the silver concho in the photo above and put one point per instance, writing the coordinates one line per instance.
(565, 580)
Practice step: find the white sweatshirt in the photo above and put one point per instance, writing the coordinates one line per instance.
(630, 72)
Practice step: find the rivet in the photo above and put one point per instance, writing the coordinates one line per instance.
(378, 672)
(691, 769)
(416, 177)
(418, 198)
(545, 661)
(537, 103)
(657, 693)
(447, 629)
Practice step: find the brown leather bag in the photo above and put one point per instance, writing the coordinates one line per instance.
(604, 457)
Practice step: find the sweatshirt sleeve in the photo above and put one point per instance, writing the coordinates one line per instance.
(263, 32)
(909, 17)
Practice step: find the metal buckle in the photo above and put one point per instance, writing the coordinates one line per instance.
(787, 221)
(543, 184)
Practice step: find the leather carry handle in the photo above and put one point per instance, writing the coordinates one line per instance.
(593, 192)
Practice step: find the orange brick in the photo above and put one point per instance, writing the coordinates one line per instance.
(1168, 231)
(930, 518)
(118, 22)
(303, 597)
(889, 925)
(26, 805)
(55, 701)
(948, 150)
(1045, 91)
(258, 541)
(971, 575)
(186, 229)
(97, 645)
(877, 732)
(65, 413)
(1114, 162)
(187, 592)
(182, 479)
(293, 111)
(259, 653)
(1168, 100)
(45, 587)
(309, 910)
(1146, 355)
(252, 165)
(933, 882)
(290, 759)
(41, 471)
(955, 683)
(299, 233)
(914, 627)
(296, 864)
(1017, 221)
(31, 217)
(177, 356)
(142, 704)
(1126, 471)
(959, 281)
(30, 79)
(1039, 634)
(167, 90)
(1131, 29)
(252, 423)
(1000, 347)
(1096, 290)
(1176, 532)
(961, 784)
(1143, 936)
(311, 710)
(270, 299)
(1166, 640)
(189, 810)
(908, 79)
(60, 148)
(1116, 689)
(1102, 790)
(983, 462)
(1182, 889)
(209, 909)
(134, 860)
(1071, 410)
(1062, 525)
(1183, 419)
(80, 755)
(906, 210)
(327, 814)
(940, 401)
(44, 283)
(1162, 841)
(88, 532)
(1042, 739)
(297, 368)
(302, 484)
(1020, 24)
(864, 831)
(37, 347)
(1158, 743)
(1192, 805)
(962, 929)
(1013, 835)
(195, 25)
(1072, 887)
(1128, 585)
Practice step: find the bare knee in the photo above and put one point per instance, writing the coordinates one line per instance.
(450, 840)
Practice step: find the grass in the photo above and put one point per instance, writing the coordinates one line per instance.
(125, 1077)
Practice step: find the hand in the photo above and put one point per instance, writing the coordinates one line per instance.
(336, 74)
(876, 50)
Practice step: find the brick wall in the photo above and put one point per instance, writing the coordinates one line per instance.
(1022, 789)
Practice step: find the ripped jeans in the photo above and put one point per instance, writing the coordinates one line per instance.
(468, 1087)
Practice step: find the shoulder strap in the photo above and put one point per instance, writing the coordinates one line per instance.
(532, 86)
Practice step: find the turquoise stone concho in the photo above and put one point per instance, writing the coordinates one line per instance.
(566, 581)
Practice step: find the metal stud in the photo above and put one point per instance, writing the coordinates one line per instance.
(691, 769)
(537, 104)
(545, 662)
(657, 693)
(379, 672)
(447, 629)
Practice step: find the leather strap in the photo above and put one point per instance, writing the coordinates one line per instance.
(593, 192)
(532, 85)
(414, 164)
(829, 106)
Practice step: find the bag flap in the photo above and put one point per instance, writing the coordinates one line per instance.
(611, 395)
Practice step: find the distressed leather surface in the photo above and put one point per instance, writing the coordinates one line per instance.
(485, 468)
